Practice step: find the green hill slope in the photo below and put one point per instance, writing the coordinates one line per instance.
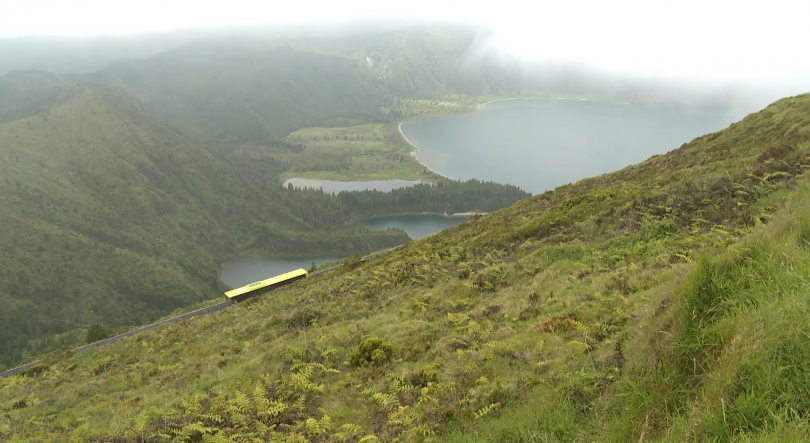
(26, 93)
(248, 90)
(583, 314)
(114, 216)
(110, 215)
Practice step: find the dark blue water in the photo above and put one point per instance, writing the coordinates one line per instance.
(541, 144)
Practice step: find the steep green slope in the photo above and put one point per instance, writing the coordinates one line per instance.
(248, 89)
(576, 315)
(114, 216)
(110, 215)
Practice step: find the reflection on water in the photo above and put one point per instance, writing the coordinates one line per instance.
(338, 186)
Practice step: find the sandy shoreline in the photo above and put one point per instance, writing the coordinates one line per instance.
(416, 149)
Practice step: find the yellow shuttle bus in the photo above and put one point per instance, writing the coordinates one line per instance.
(263, 286)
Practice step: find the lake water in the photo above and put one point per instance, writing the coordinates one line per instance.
(337, 186)
(541, 144)
(415, 225)
(242, 271)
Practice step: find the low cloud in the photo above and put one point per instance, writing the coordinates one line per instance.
(743, 52)
(739, 54)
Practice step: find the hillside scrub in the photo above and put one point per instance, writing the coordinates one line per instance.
(662, 302)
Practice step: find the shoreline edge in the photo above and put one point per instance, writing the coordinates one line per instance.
(416, 149)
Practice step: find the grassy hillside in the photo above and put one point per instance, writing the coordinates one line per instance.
(27, 93)
(112, 215)
(662, 302)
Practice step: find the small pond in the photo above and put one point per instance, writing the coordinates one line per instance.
(415, 225)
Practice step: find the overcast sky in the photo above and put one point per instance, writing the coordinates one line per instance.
(764, 41)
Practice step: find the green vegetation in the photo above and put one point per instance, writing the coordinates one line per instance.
(96, 332)
(415, 108)
(23, 94)
(372, 352)
(113, 216)
(663, 302)
(363, 152)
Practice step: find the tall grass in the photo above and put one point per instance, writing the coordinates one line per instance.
(725, 357)
(736, 362)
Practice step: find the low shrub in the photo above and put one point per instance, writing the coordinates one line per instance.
(372, 352)
(35, 370)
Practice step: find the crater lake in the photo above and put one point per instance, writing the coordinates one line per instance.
(541, 144)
